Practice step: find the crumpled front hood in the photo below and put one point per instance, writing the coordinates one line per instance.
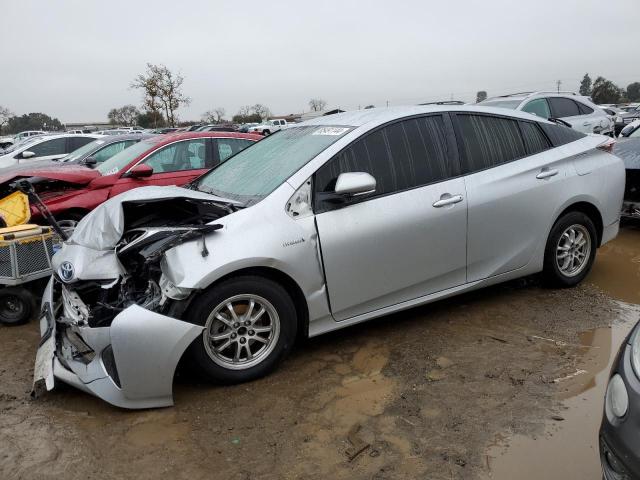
(71, 173)
(103, 228)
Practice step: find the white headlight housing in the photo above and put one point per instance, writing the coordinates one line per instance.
(617, 399)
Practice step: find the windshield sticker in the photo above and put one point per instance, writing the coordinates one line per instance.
(112, 171)
(334, 131)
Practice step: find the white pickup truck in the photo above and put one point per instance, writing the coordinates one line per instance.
(270, 127)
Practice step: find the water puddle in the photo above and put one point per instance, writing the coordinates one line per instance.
(568, 448)
(617, 267)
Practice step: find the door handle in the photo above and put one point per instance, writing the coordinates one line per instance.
(546, 173)
(450, 200)
(586, 124)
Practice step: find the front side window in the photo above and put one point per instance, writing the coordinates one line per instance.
(55, 146)
(185, 155)
(563, 107)
(488, 141)
(230, 146)
(401, 156)
(255, 172)
(124, 158)
(538, 107)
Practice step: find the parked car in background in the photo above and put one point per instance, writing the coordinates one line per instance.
(327, 224)
(28, 133)
(617, 115)
(89, 155)
(627, 148)
(244, 128)
(6, 142)
(269, 127)
(218, 128)
(578, 111)
(629, 114)
(71, 190)
(44, 147)
(620, 428)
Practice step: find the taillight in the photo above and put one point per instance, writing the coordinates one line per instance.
(607, 145)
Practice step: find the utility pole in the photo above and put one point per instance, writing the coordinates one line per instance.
(558, 83)
(387, 103)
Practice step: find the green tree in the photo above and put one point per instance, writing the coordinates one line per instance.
(151, 120)
(633, 92)
(33, 121)
(481, 96)
(125, 116)
(605, 91)
(585, 85)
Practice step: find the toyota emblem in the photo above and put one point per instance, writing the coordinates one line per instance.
(66, 271)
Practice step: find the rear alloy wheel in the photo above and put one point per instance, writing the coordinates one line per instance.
(570, 250)
(16, 306)
(249, 326)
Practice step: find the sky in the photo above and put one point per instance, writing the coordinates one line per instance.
(75, 59)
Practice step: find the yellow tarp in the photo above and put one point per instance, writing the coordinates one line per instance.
(14, 209)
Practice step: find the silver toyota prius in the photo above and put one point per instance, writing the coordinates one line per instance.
(329, 223)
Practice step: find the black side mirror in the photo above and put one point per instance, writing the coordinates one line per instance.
(90, 162)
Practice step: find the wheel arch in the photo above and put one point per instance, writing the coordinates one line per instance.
(289, 284)
(591, 211)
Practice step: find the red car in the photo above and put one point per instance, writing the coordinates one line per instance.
(71, 191)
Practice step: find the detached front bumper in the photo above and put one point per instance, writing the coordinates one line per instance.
(130, 364)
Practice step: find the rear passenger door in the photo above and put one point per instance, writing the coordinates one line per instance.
(406, 240)
(512, 176)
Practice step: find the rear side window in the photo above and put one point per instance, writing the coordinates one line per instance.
(534, 140)
(230, 146)
(50, 147)
(584, 110)
(77, 142)
(400, 156)
(559, 134)
(563, 107)
(488, 141)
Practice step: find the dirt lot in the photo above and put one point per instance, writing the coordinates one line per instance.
(451, 390)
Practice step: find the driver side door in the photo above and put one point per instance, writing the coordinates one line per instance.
(406, 240)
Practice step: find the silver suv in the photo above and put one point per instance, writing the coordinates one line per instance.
(317, 227)
(578, 111)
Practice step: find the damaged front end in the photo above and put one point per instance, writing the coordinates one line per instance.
(110, 318)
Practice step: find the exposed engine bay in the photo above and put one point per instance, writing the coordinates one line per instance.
(150, 228)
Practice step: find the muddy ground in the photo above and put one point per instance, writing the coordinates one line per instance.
(444, 391)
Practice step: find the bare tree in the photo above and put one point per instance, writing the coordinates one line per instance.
(5, 115)
(162, 90)
(127, 115)
(261, 110)
(214, 116)
(317, 104)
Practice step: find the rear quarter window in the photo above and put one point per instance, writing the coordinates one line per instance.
(560, 135)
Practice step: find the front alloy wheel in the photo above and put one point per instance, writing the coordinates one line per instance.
(241, 331)
(250, 324)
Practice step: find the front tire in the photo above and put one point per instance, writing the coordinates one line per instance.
(249, 325)
(570, 251)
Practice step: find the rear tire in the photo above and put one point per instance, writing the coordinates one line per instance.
(570, 250)
(17, 306)
(245, 342)
(266, 132)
